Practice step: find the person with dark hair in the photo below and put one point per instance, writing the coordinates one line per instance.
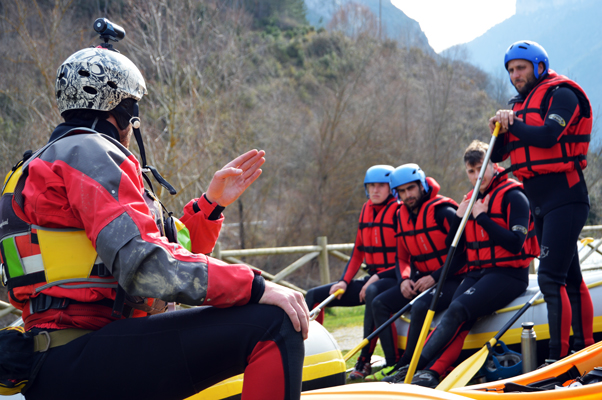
(546, 134)
(86, 248)
(424, 220)
(500, 243)
(374, 245)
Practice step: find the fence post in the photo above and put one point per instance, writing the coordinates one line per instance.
(323, 261)
(217, 251)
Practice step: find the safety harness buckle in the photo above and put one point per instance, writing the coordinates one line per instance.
(42, 303)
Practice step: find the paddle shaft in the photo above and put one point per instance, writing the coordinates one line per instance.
(464, 372)
(314, 313)
(516, 316)
(450, 255)
(378, 330)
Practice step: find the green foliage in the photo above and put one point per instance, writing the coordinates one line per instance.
(340, 317)
(284, 14)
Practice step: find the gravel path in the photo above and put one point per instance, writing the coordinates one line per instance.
(349, 337)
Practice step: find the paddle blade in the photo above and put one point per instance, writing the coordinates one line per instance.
(464, 372)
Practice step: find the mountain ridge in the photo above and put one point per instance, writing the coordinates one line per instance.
(397, 25)
(568, 30)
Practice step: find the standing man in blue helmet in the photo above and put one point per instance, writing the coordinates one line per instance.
(546, 134)
(424, 221)
(374, 245)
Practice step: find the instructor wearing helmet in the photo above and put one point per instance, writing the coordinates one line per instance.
(85, 246)
(547, 134)
(374, 245)
(424, 221)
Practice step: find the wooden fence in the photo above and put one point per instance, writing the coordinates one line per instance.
(322, 251)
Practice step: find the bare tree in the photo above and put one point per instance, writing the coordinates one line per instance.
(355, 20)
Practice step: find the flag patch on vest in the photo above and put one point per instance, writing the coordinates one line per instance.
(557, 118)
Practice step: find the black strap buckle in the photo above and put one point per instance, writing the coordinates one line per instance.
(43, 302)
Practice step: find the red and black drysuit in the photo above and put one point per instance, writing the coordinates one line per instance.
(422, 246)
(91, 182)
(500, 244)
(374, 244)
(548, 152)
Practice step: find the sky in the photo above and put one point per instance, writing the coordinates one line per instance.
(449, 22)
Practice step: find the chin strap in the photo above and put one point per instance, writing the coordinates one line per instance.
(152, 169)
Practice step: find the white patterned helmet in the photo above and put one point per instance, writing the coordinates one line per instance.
(97, 79)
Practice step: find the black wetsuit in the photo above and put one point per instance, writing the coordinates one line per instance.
(482, 291)
(383, 221)
(560, 211)
(391, 301)
(175, 355)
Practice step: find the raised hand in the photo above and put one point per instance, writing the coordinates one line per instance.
(235, 177)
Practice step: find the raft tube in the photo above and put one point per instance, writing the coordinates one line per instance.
(379, 391)
(323, 366)
(487, 327)
(515, 388)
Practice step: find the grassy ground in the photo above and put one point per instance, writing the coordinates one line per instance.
(343, 317)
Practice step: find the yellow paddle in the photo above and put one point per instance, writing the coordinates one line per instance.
(464, 372)
(450, 254)
(378, 330)
(314, 313)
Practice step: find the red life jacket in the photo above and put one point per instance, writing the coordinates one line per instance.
(378, 236)
(480, 251)
(425, 240)
(571, 149)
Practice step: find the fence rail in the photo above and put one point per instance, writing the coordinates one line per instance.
(322, 250)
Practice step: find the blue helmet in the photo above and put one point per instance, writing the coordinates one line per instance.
(530, 51)
(407, 173)
(377, 174)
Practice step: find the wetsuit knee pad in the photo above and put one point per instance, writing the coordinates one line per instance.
(453, 319)
(378, 305)
(371, 293)
(547, 283)
(419, 309)
(455, 315)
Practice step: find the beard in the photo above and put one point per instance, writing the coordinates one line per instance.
(417, 202)
(528, 86)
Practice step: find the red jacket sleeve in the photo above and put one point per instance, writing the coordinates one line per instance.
(203, 231)
(355, 262)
